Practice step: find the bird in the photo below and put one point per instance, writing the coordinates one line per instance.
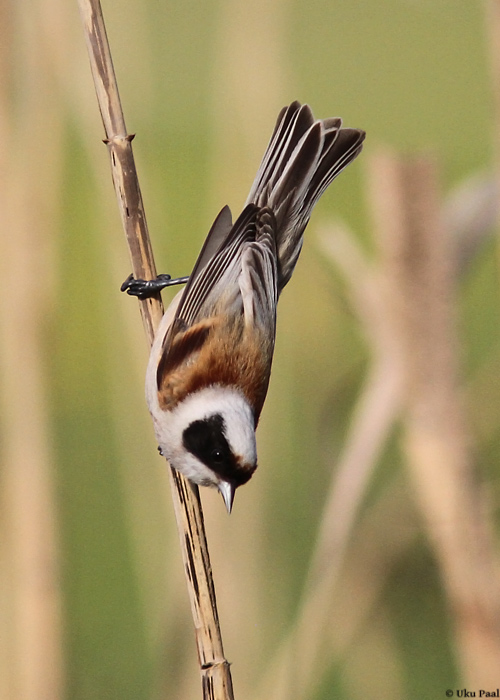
(210, 362)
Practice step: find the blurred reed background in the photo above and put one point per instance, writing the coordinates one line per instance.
(361, 560)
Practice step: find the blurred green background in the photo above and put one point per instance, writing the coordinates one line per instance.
(201, 85)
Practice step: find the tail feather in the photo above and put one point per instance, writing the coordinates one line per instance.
(303, 157)
(345, 144)
(292, 123)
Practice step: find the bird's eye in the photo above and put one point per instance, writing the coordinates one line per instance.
(217, 456)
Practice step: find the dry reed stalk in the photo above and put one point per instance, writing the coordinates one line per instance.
(214, 668)
(377, 407)
(246, 109)
(421, 275)
(243, 112)
(336, 612)
(492, 16)
(31, 664)
(373, 418)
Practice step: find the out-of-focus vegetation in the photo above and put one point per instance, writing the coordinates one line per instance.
(201, 86)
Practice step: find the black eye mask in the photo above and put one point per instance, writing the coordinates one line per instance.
(206, 440)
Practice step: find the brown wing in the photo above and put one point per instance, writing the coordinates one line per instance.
(232, 345)
(227, 257)
(180, 347)
(218, 352)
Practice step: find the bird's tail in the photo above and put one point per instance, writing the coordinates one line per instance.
(303, 157)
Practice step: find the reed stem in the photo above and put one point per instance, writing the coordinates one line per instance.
(214, 668)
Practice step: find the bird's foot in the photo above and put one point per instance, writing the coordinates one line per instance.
(143, 289)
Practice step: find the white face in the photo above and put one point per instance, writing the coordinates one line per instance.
(207, 435)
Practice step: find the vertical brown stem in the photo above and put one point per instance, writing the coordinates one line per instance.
(421, 277)
(30, 638)
(215, 672)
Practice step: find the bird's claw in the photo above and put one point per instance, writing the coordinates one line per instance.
(143, 289)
